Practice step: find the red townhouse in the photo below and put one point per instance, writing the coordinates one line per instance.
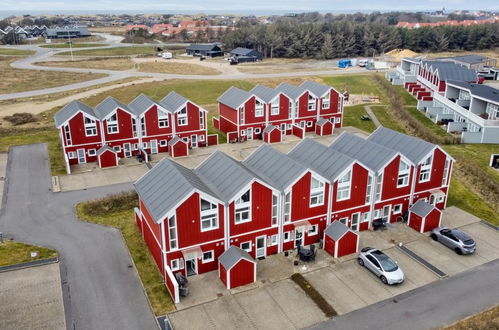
(329, 102)
(80, 132)
(348, 181)
(275, 107)
(304, 195)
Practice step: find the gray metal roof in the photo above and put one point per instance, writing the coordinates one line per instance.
(421, 208)
(468, 59)
(269, 128)
(241, 51)
(173, 102)
(224, 175)
(411, 147)
(234, 97)
(165, 185)
(371, 154)
(327, 162)
(274, 167)
(291, 91)
(71, 109)
(109, 105)
(175, 140)
(317, 89)
(448, 70)
(483, 91)
(336, 230)
(232, 256)
(141, 104)
(322, 121)
(265, 93)
(202, 47)
(105, 148)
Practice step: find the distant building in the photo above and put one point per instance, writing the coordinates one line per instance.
(211, 50)
(246, 55)
(67, 32)
(473, 61)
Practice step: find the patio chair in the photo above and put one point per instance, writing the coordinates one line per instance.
(314, 252)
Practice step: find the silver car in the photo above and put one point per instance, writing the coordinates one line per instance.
(381, 265)
(454, 239)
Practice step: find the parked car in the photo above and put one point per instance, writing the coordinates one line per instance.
(381, 265)
(454, 239)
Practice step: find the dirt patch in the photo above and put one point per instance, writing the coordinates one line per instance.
(315, 295)
(21, 118)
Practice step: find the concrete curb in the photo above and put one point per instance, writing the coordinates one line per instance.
(29, 264)
(425, 263)
(488, 224)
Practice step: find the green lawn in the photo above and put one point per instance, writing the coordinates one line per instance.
(478, 153)
(75, 45)
(385, 118)
(427, 121)
(11, 51)
(351, 117)
(356, 84)
(115, 51)
(12, 253)
(408, 98)
(149, 274)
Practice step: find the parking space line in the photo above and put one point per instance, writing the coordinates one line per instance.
(488, 224)
(422, 261)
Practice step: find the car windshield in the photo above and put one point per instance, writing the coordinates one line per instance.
(387, 264)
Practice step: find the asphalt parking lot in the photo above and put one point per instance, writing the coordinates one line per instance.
(276, 302)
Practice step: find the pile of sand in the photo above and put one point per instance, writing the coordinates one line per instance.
(399, 54)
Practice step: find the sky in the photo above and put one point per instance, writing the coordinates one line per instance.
(233, 6)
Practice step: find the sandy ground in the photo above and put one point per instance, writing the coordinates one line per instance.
(223, 67)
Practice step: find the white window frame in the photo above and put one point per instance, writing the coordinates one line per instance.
(425, 170)
(67, 134)
(172, 231)
(162, 143)
(337, 120)
(446, 172)
(311, 103)
(182, 117)
(379, 188)
(326, 101)
(343, 188)
(365, 216)
(117, 148)
(135, 146)
(201, 138)
(464, 95)
(242, 207)
(241, 115)
(258, 130)
(317, 193)
(243, 132)
(344, 220)
(90, 126)
(397, 209)
(377, 213)
(403, 175)
(249, 244)
(492, 110)
(145, 145)
(288, 238)
(143, 126)
(71, 155)
(92, 152)
(310, 123)
(258, 108)
(273, 239)
(163, 119)
(274, 107)
(369, 188)
(211, 259)
(275, 210)
(175, 264)
(112, 124)
(210, 215)
(201, 120)
(287, 207)
(313, 231)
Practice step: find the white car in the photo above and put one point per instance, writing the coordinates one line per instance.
(381, 265)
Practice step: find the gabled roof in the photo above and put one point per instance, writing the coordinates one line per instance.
(104, 149)
(231, 257)
(269, 128)
(479, 90)
(421, 208)
(274, 167)
(327, 162)
(224, 175)
(108, 106)
(469, 59)
(202, 46)
(70, 110)
(317, 89)
(166, 185)
(371, 154)
(265, 93)
(173, 102)
(241, 51)
(448, 70)
(413, 148)
(234, 97)
(291, 91)
(175, 140)
(336, 230)
(322, 122)
(141, 104)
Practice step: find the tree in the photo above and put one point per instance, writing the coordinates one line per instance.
(327, 48)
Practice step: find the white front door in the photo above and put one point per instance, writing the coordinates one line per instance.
(355, 221)
(194, 141)
(81, 156)
(127, 148)
(260, 246)
(154, 146)
(250, 133)
(386, 213)
(299, 236)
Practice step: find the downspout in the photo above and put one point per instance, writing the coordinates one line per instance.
(374, 187)
(226, 224)
(163, 246)
(280, 221)
(413, 185)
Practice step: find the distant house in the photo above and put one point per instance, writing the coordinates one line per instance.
(473, 61)
(246, 55)
(211, 50)
(67, 32)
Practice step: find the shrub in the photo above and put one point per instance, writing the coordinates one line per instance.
(21, 118)
(111, 204)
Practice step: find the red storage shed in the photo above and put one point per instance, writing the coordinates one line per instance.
(423, 216)
(272, 134)
(178, 147)
(339, 240)
(324, 127)
(107, 157)
(236, 267)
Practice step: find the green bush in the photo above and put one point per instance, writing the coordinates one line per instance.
(21, 118)
(111, 204)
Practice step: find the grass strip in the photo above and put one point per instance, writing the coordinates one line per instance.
(12, 253)
(488, 319)
(313, 294)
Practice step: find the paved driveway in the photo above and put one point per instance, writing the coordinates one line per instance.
(100, 290)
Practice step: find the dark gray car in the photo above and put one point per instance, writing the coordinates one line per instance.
(454, 239)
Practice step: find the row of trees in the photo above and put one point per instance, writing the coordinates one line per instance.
(348, 39)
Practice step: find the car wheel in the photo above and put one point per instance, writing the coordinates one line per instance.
(361, 262)
(383, 279)
(434, 236)
(458, 251)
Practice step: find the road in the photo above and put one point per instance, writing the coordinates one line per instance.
(101, 290)
(432, 306)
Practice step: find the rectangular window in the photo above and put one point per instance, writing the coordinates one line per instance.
(117, 148)
(287, 208)
(310, 123)
(369, 189)
(112, 124)
(90, 127)
(403, 177)
(145, 145)
(258, 109)
(182, 117)
(92, 152)
(343, 190)
(290, 126)
(209, 215)
(67, 134)
(172, 231)
(344, 221)
(257, 130)
(446, 172)
(241, 115)
(274, 209)
(316, 192)
(338, 120)
(287, 236)
(135, 146)
(325, 101)
(311, 103)
(376, 214)
(143, 126)
(201, 120)
(162, 119)
(243, 132)
(273, 240)
(71, 155)
(175, 264)
(201, 138)
(243, 208)
(208, 256)
(379, 182)
(339, 106)
(162, 143)
(313, 231)
(134, 127)
(365, 216)
(397, 209)
(246, 246)
(464, 95)
(425, 172)
(274, 107)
